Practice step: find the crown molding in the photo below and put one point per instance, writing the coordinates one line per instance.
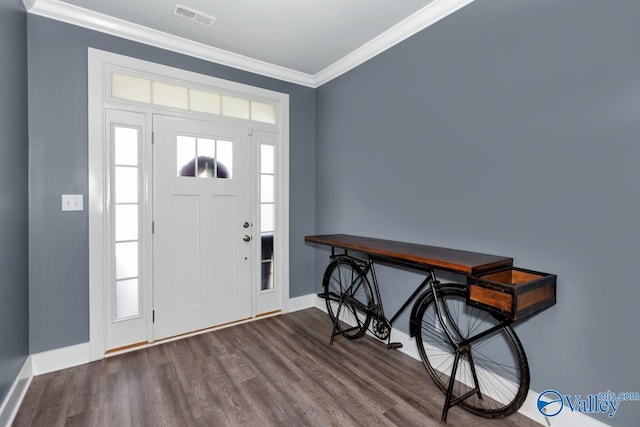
(71, 14)
(28, 4)
(85, 18)
(428, 15)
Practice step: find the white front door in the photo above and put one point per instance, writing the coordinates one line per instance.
(203, 231)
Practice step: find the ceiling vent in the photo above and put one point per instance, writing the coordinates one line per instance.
(193, 15)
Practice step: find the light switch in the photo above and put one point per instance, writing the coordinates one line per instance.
(72, 202)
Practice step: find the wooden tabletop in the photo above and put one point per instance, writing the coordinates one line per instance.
(449, 259)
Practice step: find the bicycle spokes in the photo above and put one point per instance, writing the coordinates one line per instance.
(348, 298)
(473, 357)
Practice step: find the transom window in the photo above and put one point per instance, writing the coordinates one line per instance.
(163, 94)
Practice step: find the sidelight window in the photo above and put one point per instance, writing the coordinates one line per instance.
(267, 213)
(126, 203)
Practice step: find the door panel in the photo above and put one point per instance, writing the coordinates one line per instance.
(202, 175)
(225, 261)
(185, 254)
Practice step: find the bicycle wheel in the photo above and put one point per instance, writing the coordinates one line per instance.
(497, 360)
(348, 296)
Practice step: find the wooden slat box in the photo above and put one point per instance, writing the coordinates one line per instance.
(513, 292)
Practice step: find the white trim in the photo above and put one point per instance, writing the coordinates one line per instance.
(428, 15)
(97, 206)
(302, 302)
(28, 4)
(282, 202)
(529, 408)
(75, 15)
(11, 404)
(60, 358)
(86, 18)
(100, 62)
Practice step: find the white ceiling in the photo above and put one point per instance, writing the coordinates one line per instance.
(296, 40)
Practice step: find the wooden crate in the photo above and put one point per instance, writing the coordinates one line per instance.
(513, 292)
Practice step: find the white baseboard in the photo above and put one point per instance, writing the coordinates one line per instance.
(60, 358)
(302, 302)
(12, 402)
(530, 406)
(318, 302)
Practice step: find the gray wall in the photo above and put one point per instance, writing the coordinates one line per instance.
(14, 321)
(58, 257)
(512, 128)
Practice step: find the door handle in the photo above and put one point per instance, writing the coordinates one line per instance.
(246, 238)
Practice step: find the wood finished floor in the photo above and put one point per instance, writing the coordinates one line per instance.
(277, 371)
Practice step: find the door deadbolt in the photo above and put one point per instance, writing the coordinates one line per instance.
(246, 238)
(246, 224)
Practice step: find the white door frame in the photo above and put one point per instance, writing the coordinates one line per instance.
(100, 63)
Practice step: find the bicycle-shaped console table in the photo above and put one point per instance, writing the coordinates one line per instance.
(462, 331)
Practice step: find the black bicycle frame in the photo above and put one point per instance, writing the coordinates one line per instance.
(369, 269)
(460, 346)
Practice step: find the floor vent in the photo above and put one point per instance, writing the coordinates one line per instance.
(193, 15)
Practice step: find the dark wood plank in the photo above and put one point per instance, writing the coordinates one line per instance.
(271, 372)
(432, 256)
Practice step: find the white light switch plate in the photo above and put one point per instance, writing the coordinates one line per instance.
(72, 202)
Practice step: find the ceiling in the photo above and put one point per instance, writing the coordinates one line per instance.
(296, 40)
